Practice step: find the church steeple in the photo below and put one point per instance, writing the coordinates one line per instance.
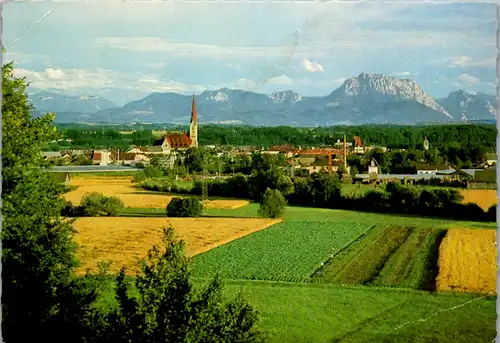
(193, 127)
(193, 111)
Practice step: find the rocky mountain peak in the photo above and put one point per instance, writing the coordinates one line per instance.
(288, 96)
(380, 84)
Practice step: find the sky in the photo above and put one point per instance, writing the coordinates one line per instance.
(126, 50)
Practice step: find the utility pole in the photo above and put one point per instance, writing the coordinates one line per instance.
(204, 186)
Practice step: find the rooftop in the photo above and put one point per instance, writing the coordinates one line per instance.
(90, 169)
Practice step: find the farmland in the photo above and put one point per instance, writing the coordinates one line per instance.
(123, 241)
(359, 272)
(467, 261)
(123, 188)
(289, 251)
(387, 256)
(485, 198)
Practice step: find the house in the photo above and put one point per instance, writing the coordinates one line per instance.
(432, 169)
(491, 159)
(358, 145)
(51, 155)
(368, 148)
(131, 159)
(305, 160)
(180, 140)
(101, 157)
(134, 150)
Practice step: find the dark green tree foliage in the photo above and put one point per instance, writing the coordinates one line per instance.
(272, 178)
(97, 205)
(184, 207)
(195, 159)
(272, 204)
(169, 309)
(39, 295)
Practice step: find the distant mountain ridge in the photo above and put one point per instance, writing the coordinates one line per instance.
(364, 99)
(46, 101)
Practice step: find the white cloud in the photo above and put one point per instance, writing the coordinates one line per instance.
(312, 67)
(466, 78)
(84, 81)
(187, 50)
(279, 80)
(466, 61)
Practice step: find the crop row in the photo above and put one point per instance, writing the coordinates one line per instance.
(289, 251)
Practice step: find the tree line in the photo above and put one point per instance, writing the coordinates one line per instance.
(324, 190)
(405, 137)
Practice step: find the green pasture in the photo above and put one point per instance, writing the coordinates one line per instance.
(321, 214)
(303, 313)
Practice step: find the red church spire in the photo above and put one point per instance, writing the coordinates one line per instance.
(193, 111)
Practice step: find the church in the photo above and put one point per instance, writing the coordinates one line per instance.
(181, 141)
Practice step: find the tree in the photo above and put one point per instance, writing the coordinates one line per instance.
(272, 203)
(169, 309)
(184, 207)
(39, 294)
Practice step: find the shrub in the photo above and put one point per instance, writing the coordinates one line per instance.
(491, 215)
(184, 207)
(272, 203)
(97, 205)
(69, 210)
(152, 171)
(139, 177)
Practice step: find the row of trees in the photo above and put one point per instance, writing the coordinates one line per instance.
(324, 190)
(42, 298)
(391, 136)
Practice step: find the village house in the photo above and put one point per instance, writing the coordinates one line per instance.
(101, 157)
(432, 169)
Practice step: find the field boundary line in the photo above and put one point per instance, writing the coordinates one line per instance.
(328, 260)
(436, 313)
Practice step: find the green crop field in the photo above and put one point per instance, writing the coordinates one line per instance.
(414, 264)
(324, 313)
(390, 256)
(361, 262)
(289, 251)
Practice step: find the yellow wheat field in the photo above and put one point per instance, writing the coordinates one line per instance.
(485, 198)
(123, 241)
(468, 261)
(123, 188)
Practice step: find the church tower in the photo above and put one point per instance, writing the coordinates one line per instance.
(193, 127)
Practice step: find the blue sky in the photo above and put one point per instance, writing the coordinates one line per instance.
(125, 50)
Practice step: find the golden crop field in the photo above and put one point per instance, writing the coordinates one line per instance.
(123, 188)
(125, 240)
(483, 197)
(468, 261)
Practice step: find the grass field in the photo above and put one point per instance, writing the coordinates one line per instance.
(123, 241)
(468, 261)
(322, 313)
(134, 197)
(290, 251)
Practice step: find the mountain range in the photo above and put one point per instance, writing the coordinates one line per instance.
(364, 99)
